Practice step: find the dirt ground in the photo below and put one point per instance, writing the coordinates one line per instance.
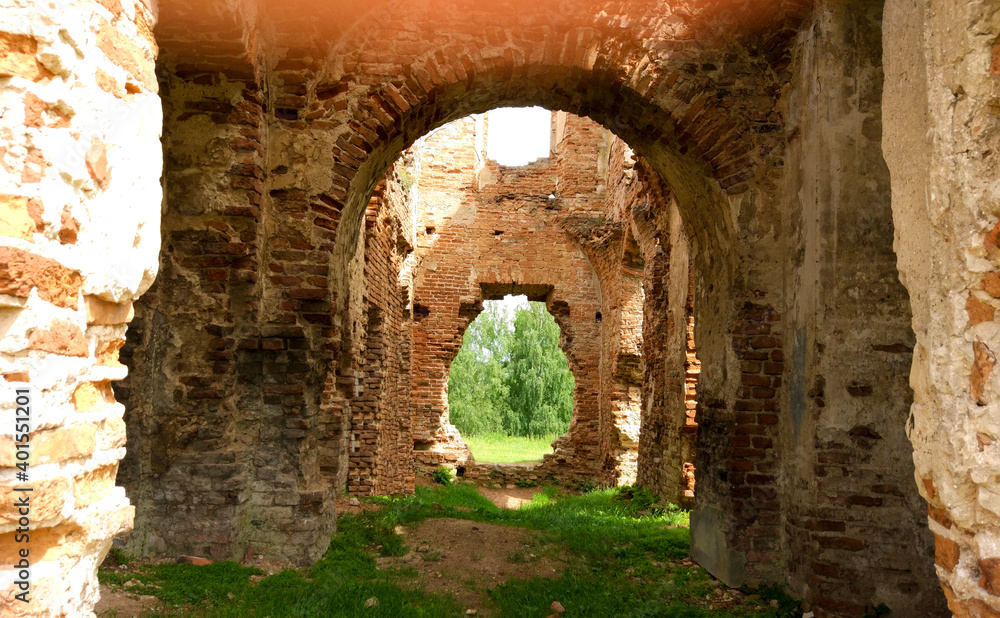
(464, 558)
(123, 604)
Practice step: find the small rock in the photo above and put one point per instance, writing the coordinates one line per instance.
(687, 563)
(774, 603)
(753, 597)
(355, 502)
(230, 596)
(132, 582)
(424, 549)
(557, 607)
(471, 612)
(195, 560)
(808, 615)
(371, 602)
(718, 592)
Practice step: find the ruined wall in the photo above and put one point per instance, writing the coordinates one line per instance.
(224, 387)
(850, 506)
(488, 230)
(645, 206)
(942, 77)
(380, 449)
(195, 392)
(79, 221)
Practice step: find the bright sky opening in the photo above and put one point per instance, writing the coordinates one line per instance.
(518, 135)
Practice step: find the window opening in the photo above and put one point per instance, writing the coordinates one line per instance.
(510, 390)
(517, 136)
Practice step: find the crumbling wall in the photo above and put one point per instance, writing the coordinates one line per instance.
(195, 391)
(79, 233)
(488, 230)
(942, 75)
(380, 450)
(851, 506)
(639, 199)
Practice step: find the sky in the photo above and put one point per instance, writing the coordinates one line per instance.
(510, 304)
(518, 135)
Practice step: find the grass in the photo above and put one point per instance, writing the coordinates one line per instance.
(498, 448)
(625, 558)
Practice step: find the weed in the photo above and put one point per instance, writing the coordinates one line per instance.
(442, 475)
(586, 487)
(117, 557)
(405, 177)
(526, 483)
(522, 556)
(639, 498)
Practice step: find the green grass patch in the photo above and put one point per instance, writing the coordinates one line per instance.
(624, 557)
(498, 448)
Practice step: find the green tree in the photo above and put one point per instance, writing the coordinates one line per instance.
(538, 380)
(477, 395)
(510, 377)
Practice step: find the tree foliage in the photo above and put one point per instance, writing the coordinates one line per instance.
(510, 376)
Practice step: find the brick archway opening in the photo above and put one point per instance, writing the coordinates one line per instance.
(558, 463)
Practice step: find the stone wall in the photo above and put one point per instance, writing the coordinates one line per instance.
(79, 233)
(851, 506)
(942, 66)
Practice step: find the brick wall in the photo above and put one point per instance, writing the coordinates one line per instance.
(484, 231)
(199, 395)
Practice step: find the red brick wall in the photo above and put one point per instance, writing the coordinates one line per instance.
(486, 230)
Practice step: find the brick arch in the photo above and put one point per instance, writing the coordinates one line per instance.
(704, 155)
(707, 146)
(671, 152)
(672, 101)
(576, 456)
